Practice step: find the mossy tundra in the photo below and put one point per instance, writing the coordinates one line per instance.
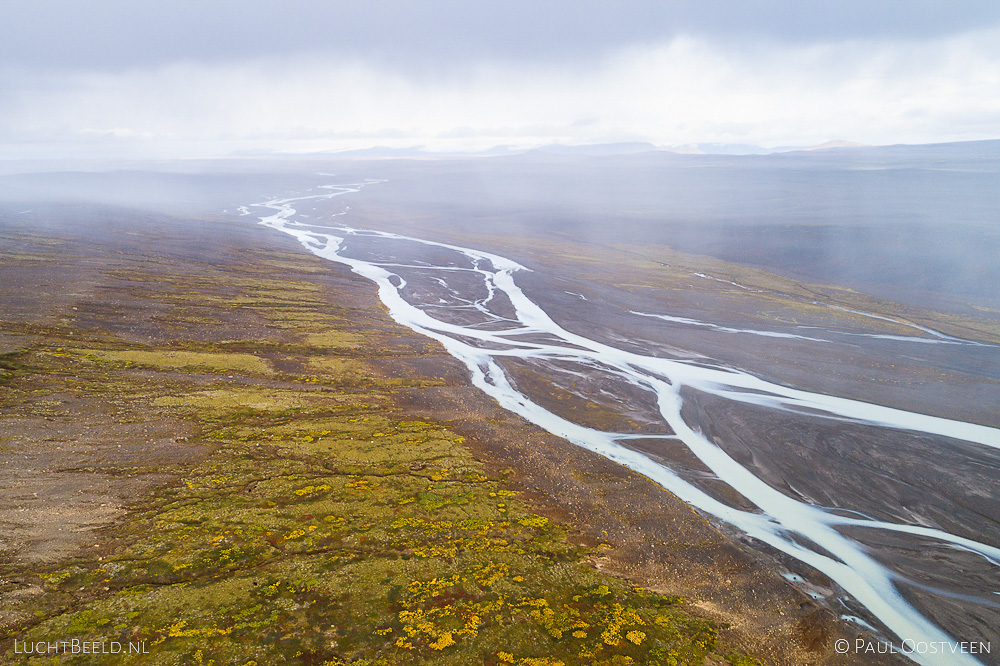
(324, 525)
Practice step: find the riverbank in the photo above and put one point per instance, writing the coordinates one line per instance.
(222, 448)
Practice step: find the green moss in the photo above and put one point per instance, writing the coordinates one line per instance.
(261, 553)
(333, 339)
(324, 527)
(740, 659)
(11, 365)
(242, 403)
(170, 359)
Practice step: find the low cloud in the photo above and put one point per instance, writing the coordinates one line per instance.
(680, 91)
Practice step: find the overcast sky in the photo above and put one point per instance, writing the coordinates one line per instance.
(188, 77)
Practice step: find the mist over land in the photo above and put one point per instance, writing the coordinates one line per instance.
(909, 223)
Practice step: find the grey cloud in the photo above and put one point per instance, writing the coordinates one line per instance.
(208, 77)
(402, 34)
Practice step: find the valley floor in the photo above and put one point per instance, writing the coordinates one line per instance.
(219, 448)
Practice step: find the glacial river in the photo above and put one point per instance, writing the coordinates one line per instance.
(470, 302)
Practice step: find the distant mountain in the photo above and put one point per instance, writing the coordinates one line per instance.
(376, 151)
(831, 150)
(623, 148)
(838, 143)
(594, 149)
(726, 149)
(959, 156)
